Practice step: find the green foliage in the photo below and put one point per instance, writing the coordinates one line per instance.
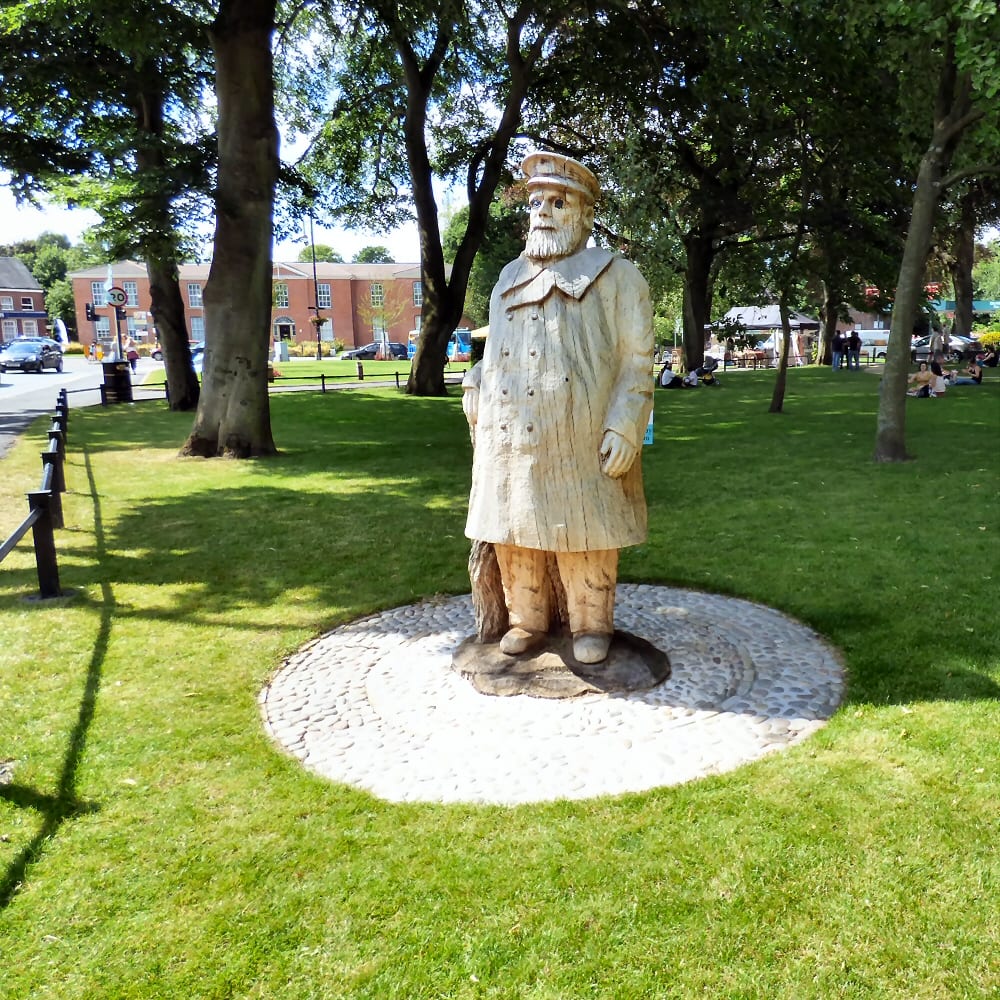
(503, 241)
(374, 255)
(986, 273)
(322, 251)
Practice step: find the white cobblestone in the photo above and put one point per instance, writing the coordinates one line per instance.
(376, 704)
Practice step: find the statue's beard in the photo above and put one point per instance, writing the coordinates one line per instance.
(551, 244)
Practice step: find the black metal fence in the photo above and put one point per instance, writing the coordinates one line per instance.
(45, 512)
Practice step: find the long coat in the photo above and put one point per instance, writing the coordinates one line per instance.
(568, 356)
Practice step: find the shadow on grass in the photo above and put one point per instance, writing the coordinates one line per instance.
(64, 804)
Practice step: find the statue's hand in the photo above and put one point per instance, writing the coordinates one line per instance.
(470, 405)
(617, 455)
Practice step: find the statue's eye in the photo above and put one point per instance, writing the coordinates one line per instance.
(558, 203)
(535, 203)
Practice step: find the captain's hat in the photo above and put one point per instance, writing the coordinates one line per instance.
(547, 170)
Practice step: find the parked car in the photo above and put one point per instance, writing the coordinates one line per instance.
(398, 352)
(30, 356)
(958, 348)
(35, 340)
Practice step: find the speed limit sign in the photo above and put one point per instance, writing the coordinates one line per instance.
(117, 297)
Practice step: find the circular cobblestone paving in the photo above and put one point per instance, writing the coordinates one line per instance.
(376, 704)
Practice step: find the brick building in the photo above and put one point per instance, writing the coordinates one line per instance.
(356, 302)
(22, 302)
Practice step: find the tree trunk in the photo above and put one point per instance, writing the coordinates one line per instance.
(699, 253)
(159, 249)
(234, 417)
(951, 118)
(964, 253)
(167, 308)
(781, 379)
(829, 312)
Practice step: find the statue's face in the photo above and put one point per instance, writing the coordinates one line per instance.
(560, 223)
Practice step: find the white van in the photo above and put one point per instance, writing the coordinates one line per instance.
(875, 342)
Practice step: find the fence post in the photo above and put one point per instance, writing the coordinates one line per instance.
(322, 382)
(45, 544)
(56, 486)
(62, 410)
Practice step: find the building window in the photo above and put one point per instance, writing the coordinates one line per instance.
(323, 297)
(281, 295)
(131, 290)
(98, 295)
(30, 327)
(9, 329)
(379, 329)
(378, 294)
(194, 296)
(417, 320)
(27, 302)
(418, 294)
(197, 327)
(6, 303)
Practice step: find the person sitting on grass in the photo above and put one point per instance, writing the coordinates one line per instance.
(920, 381)
(938, 383)
(973, 375)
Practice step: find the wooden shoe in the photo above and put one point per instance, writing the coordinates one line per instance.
(591, 647)
(520, 640)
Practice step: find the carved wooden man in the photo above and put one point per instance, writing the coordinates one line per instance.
(558, 409)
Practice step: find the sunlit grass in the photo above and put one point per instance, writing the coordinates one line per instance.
(153, 843)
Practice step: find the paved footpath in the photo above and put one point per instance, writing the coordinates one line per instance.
(375, 704)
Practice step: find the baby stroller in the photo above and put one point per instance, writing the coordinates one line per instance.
(703, 375)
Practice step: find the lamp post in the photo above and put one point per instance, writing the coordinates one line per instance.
(316, 320)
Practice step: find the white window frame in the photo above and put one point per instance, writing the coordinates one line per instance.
(280, 300)
(324, 295)
(197, 327)
(30, 327)
(131, 290)
(98, 294)
(6, 303)
(377, 292)
(380, 330)
(194, 295)
(418, 294)
(9, 329)
(27, 303)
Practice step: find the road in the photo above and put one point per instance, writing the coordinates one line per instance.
(26, 396)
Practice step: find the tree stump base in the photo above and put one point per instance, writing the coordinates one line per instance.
(632, 664)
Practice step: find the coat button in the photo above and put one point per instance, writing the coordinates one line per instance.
(531, 392)
(503, 427)
(530, 427)
(532, 352)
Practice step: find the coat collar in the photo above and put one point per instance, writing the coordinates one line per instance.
(531, 282)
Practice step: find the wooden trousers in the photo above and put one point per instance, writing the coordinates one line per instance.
(588, 578)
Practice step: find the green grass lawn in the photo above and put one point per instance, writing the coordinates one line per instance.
(153, 843)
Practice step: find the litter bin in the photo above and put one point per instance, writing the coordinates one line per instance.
(117, 382)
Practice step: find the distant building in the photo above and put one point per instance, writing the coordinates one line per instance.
(22, 302)
(355, 302)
